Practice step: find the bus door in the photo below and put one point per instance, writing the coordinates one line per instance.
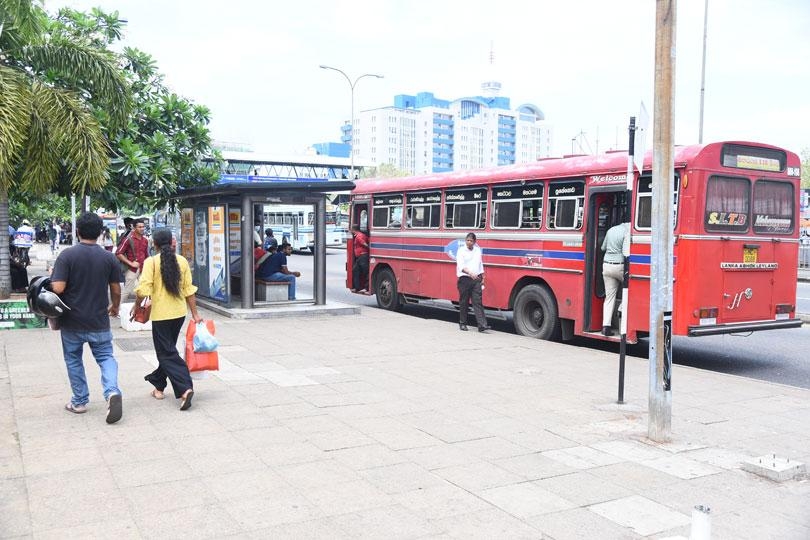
(358, 216)
(607, 206)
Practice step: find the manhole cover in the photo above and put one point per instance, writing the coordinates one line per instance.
(135, 344)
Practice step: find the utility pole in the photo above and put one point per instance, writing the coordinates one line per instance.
(660, 393)
(703, 70)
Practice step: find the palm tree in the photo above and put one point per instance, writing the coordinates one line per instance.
(49, 134)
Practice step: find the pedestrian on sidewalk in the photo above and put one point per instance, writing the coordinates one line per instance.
(166, 279)
(133, 251)
(83, 276)
(54, 231)
(470, 273)
(360, 266)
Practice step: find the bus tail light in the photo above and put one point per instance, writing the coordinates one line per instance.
(783, 311)
(707, 315)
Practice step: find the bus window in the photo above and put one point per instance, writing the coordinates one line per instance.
(773, 207)
(644, 202)
(465, 208)
(518, 206)
(727, 204)
(387, 213)
(424, 210)
(565, 201)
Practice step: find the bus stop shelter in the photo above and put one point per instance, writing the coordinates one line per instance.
(217, 225)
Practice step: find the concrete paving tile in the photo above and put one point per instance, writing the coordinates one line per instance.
(16, 518)
(491, 448)
(347, 497)
(57, 512)
(748, 524)
(151, 472)
(525, 499)
(408, 437)
(234, 460)
(400, 477)
(441, 501)
(384, 522)
(367, 456)
(208, 443)
(135, 451)
(284, 506)
(681, 467)
(642, 515)
(633, 476)
(533, 466)
(73, 485)
(320, 423)
(11, 467)
(630, 450)
(582, 457)
(316, 529)
(437, 457)
(718, 457)
(245, 484)
(477, 476)
(166, 496)
(340, 439)
(317, 473)
(287, 378)
(115, 528)
(50, 462)
(583, 488)
(486, 525)
(291, 410)
(206, 521)
(275, 455)
(580, 523)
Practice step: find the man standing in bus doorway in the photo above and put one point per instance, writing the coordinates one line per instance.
(616, 246)
(360, 266)
(133, 251)
(470, 273)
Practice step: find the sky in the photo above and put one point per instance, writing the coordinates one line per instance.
(587, 64)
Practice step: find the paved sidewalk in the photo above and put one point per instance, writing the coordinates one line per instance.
(382, 425)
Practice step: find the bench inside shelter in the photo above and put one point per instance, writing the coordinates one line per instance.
(264, 291)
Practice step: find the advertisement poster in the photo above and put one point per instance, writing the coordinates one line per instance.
(15, 315)
(187, 235)
(216, 253)
(200, 272)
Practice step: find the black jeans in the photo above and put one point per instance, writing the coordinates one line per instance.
(164, 337)
(470, 288)
(360, 272)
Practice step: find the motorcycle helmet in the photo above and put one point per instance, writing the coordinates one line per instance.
(44, 302)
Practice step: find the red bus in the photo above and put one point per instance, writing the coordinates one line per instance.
(541, 225)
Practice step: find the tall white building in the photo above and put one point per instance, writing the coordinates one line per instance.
(422, 134)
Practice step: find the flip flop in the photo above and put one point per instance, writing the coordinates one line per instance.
(154, 392)
(76, 409)
(186, 403)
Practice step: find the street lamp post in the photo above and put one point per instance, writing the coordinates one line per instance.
(351, 85)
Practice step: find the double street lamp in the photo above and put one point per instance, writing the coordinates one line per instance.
(351, 85)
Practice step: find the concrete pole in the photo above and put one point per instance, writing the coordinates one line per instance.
(246, 245)
(660, 392)
(703, 70)
(319, 279)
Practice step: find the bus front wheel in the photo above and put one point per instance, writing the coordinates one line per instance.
(386, 289)
(536, 314)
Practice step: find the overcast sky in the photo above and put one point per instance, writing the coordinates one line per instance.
(587, 64)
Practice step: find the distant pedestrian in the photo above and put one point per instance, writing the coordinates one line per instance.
(85, 277)
(105, 240)
(804, 249)
(166, 278)
(133, 251)
(360, 266)
(54, 232)
(616, 247)
(470, 273)
(270, 243)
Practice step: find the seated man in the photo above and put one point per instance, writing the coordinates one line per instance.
(275, 269)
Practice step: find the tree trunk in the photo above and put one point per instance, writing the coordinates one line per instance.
(5, 255)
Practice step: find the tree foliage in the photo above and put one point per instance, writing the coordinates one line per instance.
(806, 168)
(384, 170)
(165, 141)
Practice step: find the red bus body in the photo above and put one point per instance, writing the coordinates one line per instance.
(735, 249)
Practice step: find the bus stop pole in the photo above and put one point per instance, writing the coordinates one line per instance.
(246, 235)
(319, 279)
(626, 257)
(659, 423)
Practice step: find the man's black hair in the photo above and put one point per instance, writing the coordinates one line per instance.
(89, 226)
(268, 232)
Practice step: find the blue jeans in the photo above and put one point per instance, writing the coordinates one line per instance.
(101, 346)
(279, 276)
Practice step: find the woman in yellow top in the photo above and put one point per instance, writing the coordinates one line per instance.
(166, 278)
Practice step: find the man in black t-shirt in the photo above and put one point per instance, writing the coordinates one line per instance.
(82, 276)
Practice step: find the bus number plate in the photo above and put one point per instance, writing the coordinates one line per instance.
(749, 255)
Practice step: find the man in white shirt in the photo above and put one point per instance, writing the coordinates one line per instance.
(616, 247)
(470, 273)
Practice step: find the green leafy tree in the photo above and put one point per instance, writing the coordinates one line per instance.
(55, 89)
(165, 145)
(806, 168)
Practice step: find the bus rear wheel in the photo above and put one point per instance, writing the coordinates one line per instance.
(536, 313)
(386, 289)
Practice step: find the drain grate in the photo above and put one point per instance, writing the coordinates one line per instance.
(134, 344)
